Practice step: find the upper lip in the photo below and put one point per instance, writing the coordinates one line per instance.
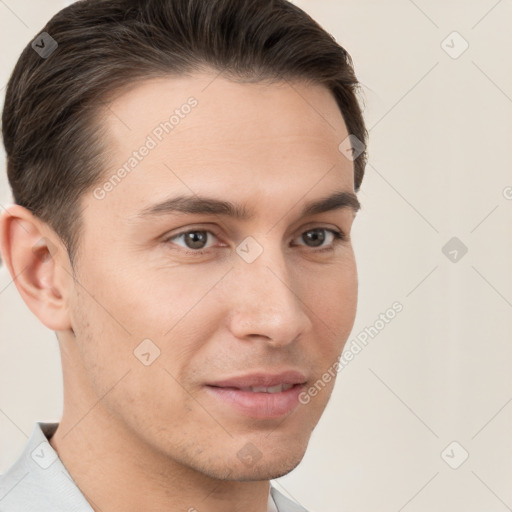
(261, 380)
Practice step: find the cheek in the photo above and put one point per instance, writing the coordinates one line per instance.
(103, 327)
(132, 391)
(331, 295)
(152, 300)
(101, 340)
(131, 322)
(334, 303)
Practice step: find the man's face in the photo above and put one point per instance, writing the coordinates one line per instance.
(283, 300)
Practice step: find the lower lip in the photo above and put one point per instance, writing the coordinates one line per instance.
(259, 405)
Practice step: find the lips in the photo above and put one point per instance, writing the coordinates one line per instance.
(259, 395)
(262, 380)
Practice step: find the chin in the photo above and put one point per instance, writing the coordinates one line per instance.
(269, 473)
(266, 468)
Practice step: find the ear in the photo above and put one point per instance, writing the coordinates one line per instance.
(39, 265)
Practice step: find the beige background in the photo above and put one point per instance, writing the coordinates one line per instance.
(440, 164)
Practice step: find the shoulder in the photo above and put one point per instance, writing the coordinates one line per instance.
(38, 480)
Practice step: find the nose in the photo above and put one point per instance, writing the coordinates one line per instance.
(265, 301)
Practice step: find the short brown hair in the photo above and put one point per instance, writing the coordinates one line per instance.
(51, 131)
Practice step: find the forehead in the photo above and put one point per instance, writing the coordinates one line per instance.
(201, 133)
(227, 104)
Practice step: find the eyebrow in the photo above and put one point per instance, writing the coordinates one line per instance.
(211, 206)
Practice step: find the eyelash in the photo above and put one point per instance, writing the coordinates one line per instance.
(339, 237)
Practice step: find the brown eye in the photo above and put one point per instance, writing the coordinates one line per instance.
(317, 236)
(196, 240)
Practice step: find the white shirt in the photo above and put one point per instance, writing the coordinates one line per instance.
(39, 482)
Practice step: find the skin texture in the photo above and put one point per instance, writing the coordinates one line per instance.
(150, 437)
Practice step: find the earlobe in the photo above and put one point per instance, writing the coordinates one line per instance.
(36, 260)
